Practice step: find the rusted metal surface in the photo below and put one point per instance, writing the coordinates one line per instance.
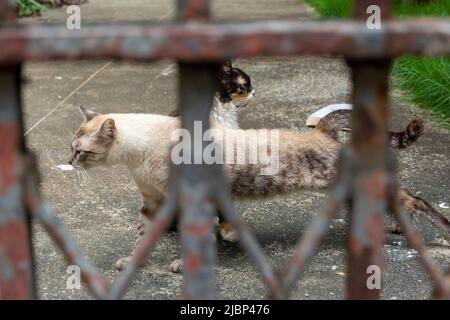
(214, 42)
(196, 186)
(8, 10)
(16, 273)
(370, 182)
(369, 185)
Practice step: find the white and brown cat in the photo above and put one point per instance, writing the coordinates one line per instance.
(142, 143)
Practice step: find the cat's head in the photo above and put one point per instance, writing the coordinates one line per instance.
(235, 86)
(93, 140)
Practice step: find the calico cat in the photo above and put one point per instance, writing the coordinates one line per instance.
(235, 91)
(142, 141)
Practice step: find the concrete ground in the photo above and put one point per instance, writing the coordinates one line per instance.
(101, 211)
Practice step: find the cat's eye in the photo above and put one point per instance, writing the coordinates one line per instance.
(89, 152)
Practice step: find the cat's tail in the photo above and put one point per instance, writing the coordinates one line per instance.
(337, 117)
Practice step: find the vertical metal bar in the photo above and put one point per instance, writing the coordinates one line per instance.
(196, 185)
(366, 238)
(371, 177)
(16, 267)
(8, 10)
(16, 262)
(197, 88)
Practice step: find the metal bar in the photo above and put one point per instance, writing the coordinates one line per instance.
(16, 266)
(40, 210)
(371, 174)
(214, 42)
(366, 234)
(196, 182)
(8, 10)
(193, 10)
(416, 242)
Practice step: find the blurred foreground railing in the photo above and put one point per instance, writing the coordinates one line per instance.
(366, 170)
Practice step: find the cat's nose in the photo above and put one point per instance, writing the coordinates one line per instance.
(70, 161)
(253, 93)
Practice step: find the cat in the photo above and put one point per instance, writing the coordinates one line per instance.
(235, 92)
(142, 142)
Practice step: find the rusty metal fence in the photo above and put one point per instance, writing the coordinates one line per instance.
(366, 168)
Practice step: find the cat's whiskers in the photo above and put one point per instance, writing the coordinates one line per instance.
(85, 174)
(77, 176)
(81, 175)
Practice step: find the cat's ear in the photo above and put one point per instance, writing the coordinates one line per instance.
(88, 114)
(107, 130)
(227, 67)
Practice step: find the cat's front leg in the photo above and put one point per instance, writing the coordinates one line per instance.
(146, 214)
(177, 265)
(227, 232)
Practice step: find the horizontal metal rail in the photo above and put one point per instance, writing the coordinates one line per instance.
(194, 41)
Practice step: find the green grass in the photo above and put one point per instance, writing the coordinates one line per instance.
(422, 81)
(30, 7)
(427, 82)
(405, 8)
(332, 9)
(402, 8)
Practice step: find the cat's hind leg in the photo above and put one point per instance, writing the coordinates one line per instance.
(150, 206)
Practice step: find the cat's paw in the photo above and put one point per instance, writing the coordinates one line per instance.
(177, 266)
(394, 227)
(122, 263)
(228, 233)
